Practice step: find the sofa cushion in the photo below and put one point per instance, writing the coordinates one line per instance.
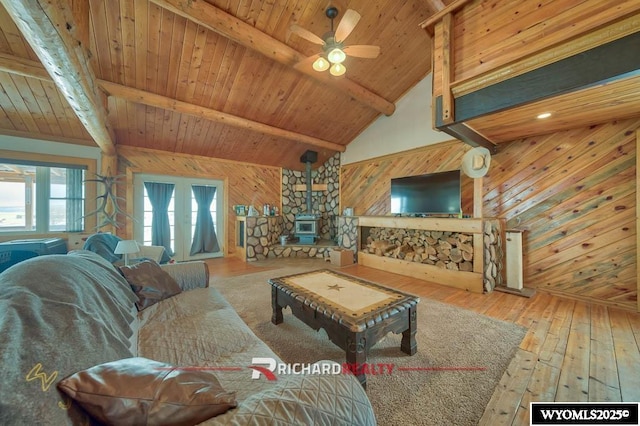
(315, 399)
(150, 283)
(199, 327)
(58, 314)
(143, 391)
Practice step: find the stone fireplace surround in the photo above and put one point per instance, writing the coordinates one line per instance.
(263, 233)
(324, 203)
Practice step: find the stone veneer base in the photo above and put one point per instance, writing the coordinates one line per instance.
(298, 251)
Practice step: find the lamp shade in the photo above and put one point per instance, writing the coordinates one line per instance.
(336, 56)
(127, 247)
(321, 64)
(337, 70)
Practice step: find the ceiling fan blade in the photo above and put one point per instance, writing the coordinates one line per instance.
(307, 62)
(347, 24)
(362, 51)
(306, 34)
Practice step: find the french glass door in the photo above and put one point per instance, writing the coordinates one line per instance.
(193, 234)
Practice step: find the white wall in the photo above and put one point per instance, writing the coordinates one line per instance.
(36, 146)
(409, 127)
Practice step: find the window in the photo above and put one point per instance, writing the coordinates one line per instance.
(40, 198)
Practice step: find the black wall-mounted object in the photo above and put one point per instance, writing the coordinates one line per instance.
(309, 157)
(435, 193)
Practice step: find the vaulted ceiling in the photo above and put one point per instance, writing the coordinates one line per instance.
(214, 78)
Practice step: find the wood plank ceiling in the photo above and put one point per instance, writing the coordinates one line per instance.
(174, 84)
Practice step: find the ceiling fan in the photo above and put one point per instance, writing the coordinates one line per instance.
(334, 52)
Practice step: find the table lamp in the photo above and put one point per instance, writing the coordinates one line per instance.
(127, 247)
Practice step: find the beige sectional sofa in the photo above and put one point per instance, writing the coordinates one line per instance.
(62, 314)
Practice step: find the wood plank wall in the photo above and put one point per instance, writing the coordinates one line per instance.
(492, 35)
(574, 191)
(366, 186)
(243, 183)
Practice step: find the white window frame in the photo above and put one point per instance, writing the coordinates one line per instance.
(42, 196)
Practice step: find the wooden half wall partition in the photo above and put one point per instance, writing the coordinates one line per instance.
(472, 280)
(244, 183)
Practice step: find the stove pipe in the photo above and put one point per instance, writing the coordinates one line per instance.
(309, 157)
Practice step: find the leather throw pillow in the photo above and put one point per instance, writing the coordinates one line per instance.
(150, 283)
(140, 391)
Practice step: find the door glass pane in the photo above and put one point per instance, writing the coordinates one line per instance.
(172, 220)
(194, 215)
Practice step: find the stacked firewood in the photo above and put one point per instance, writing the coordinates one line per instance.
(447, 250)
(493, 255)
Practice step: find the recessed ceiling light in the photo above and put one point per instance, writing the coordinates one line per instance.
(544, 115)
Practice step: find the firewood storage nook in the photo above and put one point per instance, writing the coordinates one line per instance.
(462, 253)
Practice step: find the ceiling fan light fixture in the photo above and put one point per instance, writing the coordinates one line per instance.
(336, 56)
(334, 52)
(337, 70)
(321, 64)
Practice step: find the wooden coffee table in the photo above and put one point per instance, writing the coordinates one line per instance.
(355, 313)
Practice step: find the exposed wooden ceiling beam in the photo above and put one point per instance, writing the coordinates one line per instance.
(50, 30)
(33, 69)
(437, 5)
(217, 20)
(163, 102)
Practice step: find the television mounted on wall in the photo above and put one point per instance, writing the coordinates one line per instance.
(430, 194)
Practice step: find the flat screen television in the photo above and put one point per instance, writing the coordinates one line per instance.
(436, 193)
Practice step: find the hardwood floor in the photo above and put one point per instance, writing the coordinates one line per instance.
(573, 351)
